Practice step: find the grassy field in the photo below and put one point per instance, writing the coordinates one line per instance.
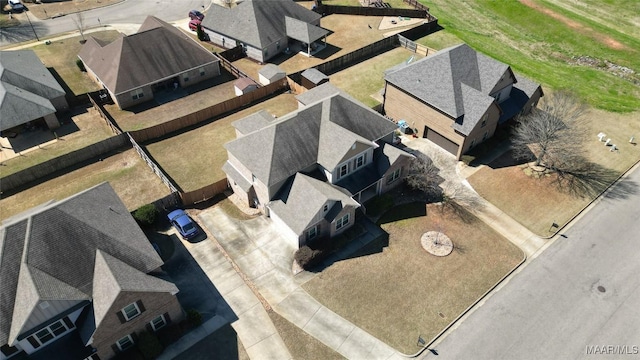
(62, 55)
(58, 8)
(300, 344)
(195, 158)
(127, 173)
(539, 203)
(91, 130)
(543, 40)
(403, 291)
(396, 4)
(367, 78)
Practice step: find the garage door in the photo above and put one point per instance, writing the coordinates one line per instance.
(441, 141)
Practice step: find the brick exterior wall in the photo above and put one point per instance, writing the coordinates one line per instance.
(111, 329)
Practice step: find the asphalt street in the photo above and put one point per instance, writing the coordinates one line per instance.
(126, 12)
(582, 291)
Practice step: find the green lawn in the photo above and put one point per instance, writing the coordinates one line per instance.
(128, 174)
(367, 78)
(62, 54)
(541, 46)
(194, 159)
(402, 291)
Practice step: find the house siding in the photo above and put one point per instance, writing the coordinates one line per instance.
(505, 82)
(210, 71)
(350, 159)
(125, 99)
(111, 329)
(28, 348)
(54, 307)
(352, 219)
(493, 115)
(403, 165)
(401, 106)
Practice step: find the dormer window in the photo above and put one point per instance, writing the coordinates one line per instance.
(325, 208)
(360, 160)
(343, 170)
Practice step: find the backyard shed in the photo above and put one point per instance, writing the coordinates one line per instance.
(270, 73)
(313, 77)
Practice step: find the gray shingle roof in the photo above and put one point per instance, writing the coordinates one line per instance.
(50, 254)
(157, 51)
(270, 71)
(314, 75)
(253, 122)
(448, 79)
(233, 173)
(113, 276)
(258, 23)
(299, 139)
(320, 92)
(305, 198)
(26, 86)
(302, 31)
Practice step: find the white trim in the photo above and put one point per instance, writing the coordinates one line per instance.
(164, 322)
(124, 313)
(126, 337)
(341, 222)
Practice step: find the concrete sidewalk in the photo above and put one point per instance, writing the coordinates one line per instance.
(455, 175)
(258, 249)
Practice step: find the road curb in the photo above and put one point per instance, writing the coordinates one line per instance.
(446, 328)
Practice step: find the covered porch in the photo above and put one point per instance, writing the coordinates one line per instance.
(308, 35)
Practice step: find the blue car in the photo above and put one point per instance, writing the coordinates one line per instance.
(183, 223)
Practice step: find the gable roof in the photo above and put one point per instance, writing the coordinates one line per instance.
(306, 196)
(456, 81)
(50, 254)
(157, 51)
(314, 75)
(258, 23)
(303, 31)
(303, 138)
(270, 70)
(253, 122)
(26, 88)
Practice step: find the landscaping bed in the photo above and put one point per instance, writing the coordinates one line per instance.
(404, 292)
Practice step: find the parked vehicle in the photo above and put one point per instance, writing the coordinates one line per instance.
(16, 5)
(193, 24)
(196, 15)
(183, 223)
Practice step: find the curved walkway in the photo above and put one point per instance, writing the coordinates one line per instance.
(259, 250)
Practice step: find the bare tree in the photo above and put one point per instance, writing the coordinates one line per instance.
(423, 176)
(551, 134)
(460, 200)
(79, 21)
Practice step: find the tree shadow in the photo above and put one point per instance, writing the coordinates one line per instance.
(221, 344)
(405, 211)
(586, 179)
(22, 32)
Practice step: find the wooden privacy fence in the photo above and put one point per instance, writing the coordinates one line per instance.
(372, 11)
(94, 98)
(234, 70)
(204, 193)
(213, 111)
(152, 164)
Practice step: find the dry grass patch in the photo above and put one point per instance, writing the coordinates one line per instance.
(399, 293)
(367, 78)
(62, 55)
(91, 130)
(141, 117)
(537, 203)
(300, 344)
(130, 177)
(58, 8)
(194, 159)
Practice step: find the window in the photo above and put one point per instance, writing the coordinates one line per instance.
(312, 233)
(343, 170)
(484, 121)
(360, 160)
(201, 70)
(125, 343)
(93, 356)
(50, 332)
(342, 222)
(394, 175)
(44, 335)
(185, 77)
(137, 94)
(130, 311)
(325, 208)
(158, 323)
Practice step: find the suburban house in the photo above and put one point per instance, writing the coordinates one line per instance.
(457, 97)
(78, 280)
(159, 57)
(312, 168)
(28, 91)
(265, 28)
